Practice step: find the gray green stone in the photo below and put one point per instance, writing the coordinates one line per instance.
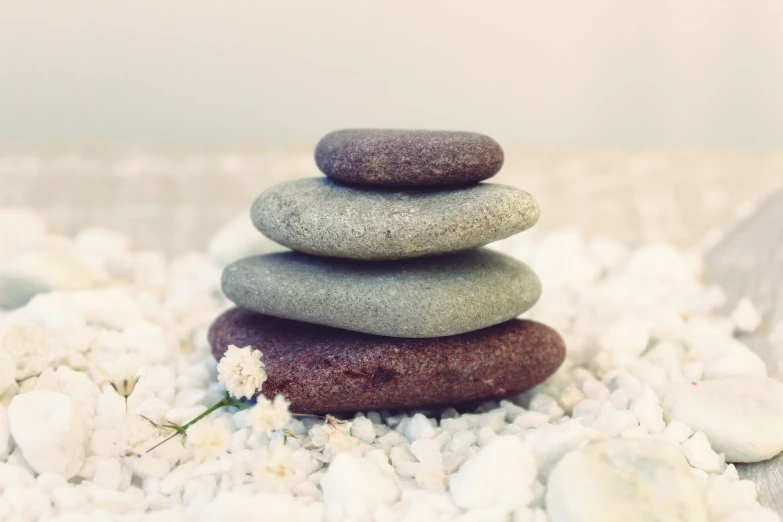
(323, 217)
(425, 297)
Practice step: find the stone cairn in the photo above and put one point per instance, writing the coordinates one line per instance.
(387, 300)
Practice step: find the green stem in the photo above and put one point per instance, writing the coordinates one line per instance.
(225, 401)
(163, 441)
(238, 404)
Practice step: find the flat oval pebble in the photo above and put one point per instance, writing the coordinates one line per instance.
(622, 480)
(425, 297)
(741, 417)
(321, 369)
(319, 216)
(408, 157)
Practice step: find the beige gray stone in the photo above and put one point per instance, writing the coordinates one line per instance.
(323, 217)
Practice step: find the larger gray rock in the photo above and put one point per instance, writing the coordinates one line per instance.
(323, 217)
(408, 157)
(427, 297)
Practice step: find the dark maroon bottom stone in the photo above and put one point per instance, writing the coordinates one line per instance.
(327, 370)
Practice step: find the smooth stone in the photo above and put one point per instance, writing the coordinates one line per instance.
(741, 417)
(33, 272)
(321, 369)
(50, 431)
(355, 488)
(400, 158)
(499, 475)
(319, 216)
(619, 480)
(425, 297)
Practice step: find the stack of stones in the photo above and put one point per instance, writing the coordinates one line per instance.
(387, 300)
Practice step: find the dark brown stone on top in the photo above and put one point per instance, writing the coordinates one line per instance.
(402, 158)
(326, 370)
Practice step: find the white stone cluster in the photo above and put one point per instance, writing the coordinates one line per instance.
(655, 397)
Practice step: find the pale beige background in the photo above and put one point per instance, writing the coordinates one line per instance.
(601, 72)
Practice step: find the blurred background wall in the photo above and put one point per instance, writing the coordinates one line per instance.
(603, 72)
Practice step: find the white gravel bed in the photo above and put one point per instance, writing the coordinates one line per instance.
(655, 396)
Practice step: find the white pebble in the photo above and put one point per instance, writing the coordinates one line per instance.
(570, 397)
(461, 441)
(547, 405)
(626, 382)
(733, 359)
(5, 433)
(452, 461)
(29, 347)
(741, 417)
(619, 399)
(621, 480)
(362, 429)
(109, 308)
(595, 389)
(355, 487)
(588, 408)
(700, 455)
(711, 343)
(238, 239)
(49, 430)
(419, 427)
(626, 337)
(727, 495)
(531, 419)
(745, 316)
(693, 370)
(108, 473)
(649, 412)
(677, 432)
(7, 371)
(551, 443)
(613, 423)
(11, 475)
(240, 506)
(485, 435)
(427, 452)
(499, 475)
(29, 273)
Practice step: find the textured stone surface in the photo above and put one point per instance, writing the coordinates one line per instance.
(742, 417)
(323, 217)
(425, 297)
(50, 431)
(624, 479)
(408, 157)
(322, 369)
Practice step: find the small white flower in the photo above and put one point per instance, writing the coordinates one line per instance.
(268, 416)
(333, 435)
(275, 469)
(210, 438)
(278, 467)
(137, 435)
(242, 371)
(122, 374)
